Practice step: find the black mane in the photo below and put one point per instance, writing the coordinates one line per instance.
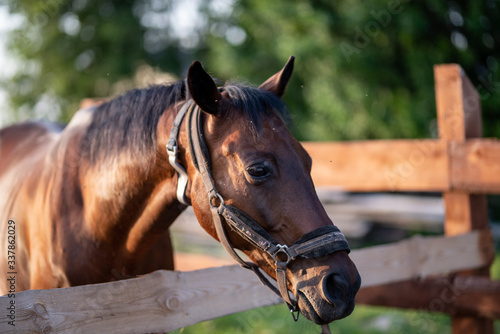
(128, 123)
(256, 103)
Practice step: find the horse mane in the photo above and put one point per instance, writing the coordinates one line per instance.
(129, 122)
(256, 104)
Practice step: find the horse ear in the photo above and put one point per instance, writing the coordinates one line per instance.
(278, 82)
(203, 89)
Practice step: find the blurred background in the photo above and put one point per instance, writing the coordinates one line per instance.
(364, 70)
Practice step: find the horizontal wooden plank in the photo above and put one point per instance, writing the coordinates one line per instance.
(380, 165)
(407, 165)
(456, 295)
(422, 257)
(166, 300)
(159, 302)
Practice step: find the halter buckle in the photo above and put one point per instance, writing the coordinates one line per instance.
(216, 201)
(282, 249)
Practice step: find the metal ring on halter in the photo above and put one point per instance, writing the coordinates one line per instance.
(284, 250)
(220, 199)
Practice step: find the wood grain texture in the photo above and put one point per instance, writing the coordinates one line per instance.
(459, 119)
(455, 295)
(166, 300)
(422, 257)
(476, 166)
(159, 302)
(449, 92)
(407, 165)
(380, 165)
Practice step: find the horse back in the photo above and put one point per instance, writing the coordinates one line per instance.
(20, 142)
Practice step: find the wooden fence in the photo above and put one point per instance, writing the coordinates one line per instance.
(461, 166)
(443, 274)
(166, 300)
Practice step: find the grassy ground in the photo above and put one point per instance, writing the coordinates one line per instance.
(371, 320)
(364, 320)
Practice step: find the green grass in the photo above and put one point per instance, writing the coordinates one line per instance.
(364, 320)
(495, 268)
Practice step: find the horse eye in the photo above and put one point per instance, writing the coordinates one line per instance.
(258, 171)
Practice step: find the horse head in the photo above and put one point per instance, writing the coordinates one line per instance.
(250, 187)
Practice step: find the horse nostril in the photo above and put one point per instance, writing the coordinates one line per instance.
(334, 288)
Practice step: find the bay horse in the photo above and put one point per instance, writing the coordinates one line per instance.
(93, 201)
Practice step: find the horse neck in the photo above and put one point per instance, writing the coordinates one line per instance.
(129, 203)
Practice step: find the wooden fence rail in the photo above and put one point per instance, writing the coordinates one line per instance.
(167, 300)
(407, 165)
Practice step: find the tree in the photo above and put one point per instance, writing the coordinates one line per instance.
(363, 69)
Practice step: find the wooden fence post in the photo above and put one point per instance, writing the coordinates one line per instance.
(459, 118)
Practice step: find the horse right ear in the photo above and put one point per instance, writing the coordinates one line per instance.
(278, 82)
(203, 89)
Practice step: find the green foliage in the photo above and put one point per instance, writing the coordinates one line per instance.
(363, 69)
(495, 268)
(71, 50)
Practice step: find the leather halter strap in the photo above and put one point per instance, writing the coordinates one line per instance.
(320, 242)
(173, 150)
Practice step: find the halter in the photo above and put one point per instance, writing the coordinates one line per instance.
(320, 242)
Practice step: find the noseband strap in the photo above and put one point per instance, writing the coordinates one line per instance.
(320, 242)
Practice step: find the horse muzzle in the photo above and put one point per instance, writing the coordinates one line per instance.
(324, 293)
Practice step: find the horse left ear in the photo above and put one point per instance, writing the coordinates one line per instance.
(278, 82)
(203, 89)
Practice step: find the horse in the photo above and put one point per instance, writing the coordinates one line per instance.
(92, 202)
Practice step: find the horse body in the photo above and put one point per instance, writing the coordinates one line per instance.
(66, 230)
(93, 202)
